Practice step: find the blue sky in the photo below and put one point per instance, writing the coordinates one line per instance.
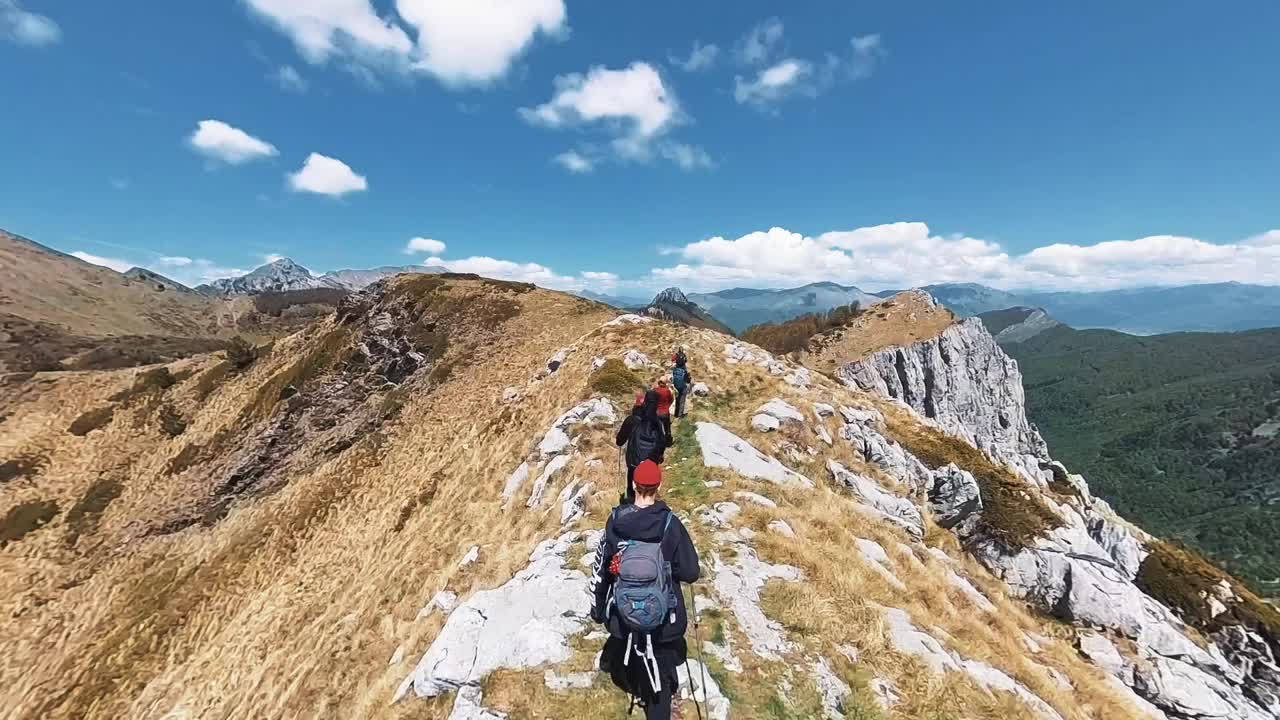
(1073, 145)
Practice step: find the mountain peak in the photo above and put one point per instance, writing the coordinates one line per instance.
(671, 295)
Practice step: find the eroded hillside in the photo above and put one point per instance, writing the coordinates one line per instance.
(354, 524)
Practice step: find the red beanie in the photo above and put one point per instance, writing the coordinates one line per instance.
(639, 399)
(648, 474)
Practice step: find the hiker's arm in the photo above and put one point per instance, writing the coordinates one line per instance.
(624, 432)
(685, 566)
(601, 579)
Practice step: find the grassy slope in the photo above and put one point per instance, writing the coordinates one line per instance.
(1162, 427)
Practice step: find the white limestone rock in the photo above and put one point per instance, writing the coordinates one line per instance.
(596, 411)
(824, 435)
(1122, 547)
(1101, 652)
(721, 514)
(861, 416)
(524, 623)
(597, 362)
(823, 410)
(765, 423)
(756, 499)
(701, 389)
(899, 511)
(974, 595)
(885, 693)
(993, 679)
(782, 410)
(467, 706)
(723, 449)
(444, 601)
(554, 443)
(782, 528)
(833, 690)
(573, 501)
(635, 360)
(470, 558)
(910, 640)
(888, 456)
(739, 584)
(510, 395)
(1146, 710)
(516, 481)
(955, 499)
(628, 319)
(879, 560)
(1183, 691)
(800, 377)
(696, 683)
(556, 361)
(549, 473)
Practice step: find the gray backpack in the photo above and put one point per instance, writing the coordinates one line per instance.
(644, 597)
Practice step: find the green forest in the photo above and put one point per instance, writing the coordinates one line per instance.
(1178, 432)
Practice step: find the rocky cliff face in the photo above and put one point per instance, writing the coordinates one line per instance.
(964, 382)
(1085, 565)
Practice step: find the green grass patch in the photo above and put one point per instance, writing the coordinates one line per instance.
(685, 481)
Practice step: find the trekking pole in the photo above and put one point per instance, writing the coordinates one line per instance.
(702, 662)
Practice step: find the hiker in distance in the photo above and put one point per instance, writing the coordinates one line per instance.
(646, 552)
(681, 380)
(665, 400)
(644, 437)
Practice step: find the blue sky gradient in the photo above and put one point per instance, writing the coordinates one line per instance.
(1016, 126)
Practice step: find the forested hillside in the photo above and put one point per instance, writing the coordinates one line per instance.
(1178, 431)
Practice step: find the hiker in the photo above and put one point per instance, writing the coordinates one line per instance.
(681, 380)
(645, 437)
(644, 610)
(665, 400)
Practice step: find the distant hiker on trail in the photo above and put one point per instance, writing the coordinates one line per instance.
(643, 434)
(681, 380)
(645, 554)
(665, 400)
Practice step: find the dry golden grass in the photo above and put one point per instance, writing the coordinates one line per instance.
(904, 319)
(292, 605)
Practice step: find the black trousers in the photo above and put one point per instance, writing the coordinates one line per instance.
(633, 680)
(630, 495)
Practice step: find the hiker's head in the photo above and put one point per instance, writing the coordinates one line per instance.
(648, 478)
(662, 382)
(651, 404)
(639, 401)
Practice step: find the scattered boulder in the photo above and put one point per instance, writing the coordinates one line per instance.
(555, 361)
(472, 555)
(874, 554)
(555, 442)
(888, 456)
(723, 449)
(510, 395)
(955, 499)
(823, 435)
(635, 360)
(628, 319)
(823, 410)
(782, 410)
(899, 511)
(596, 411)
(885, 693)
(756, 499)
(549, 473)
(800, 377)
(861, 416)
(700, 389)
(765, 423)
(516, 481)
(782, 528)
(573, 502)
(597, 362)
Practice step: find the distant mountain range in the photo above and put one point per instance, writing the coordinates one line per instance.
(284, 275)
(1217, 307)
(740, 308)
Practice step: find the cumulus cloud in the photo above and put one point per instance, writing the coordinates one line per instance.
(290, 80)
(424, 245)
(460, 43)
(113, 263)
(633, 105)
(219, 141)
(907, 254)
(528, 272)
(575, 162)
(774, 82)
(27, 28)
(324, 175)
(700, 58)
(185, 270)
(760, 43)
(792, 76)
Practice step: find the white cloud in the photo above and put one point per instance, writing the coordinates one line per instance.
(475, 42)
(773, 83)
(219, 141)
(575, 162)
(27, 28)
(525, 272)
(758, 45)
(460, 43)
(290, 80)
(908, 254)
(687, 157)
(633, 105)
(175, 261)
(271, 258)
(797, 76)
(113, 263)
(424, 245)
(701, 57)
(327, 176)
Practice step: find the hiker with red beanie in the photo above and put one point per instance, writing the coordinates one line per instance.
(644, 436)
(645, 554)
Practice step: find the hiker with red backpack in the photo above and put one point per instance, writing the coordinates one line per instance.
(646, 552)
(645, 437)
(665, 400)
